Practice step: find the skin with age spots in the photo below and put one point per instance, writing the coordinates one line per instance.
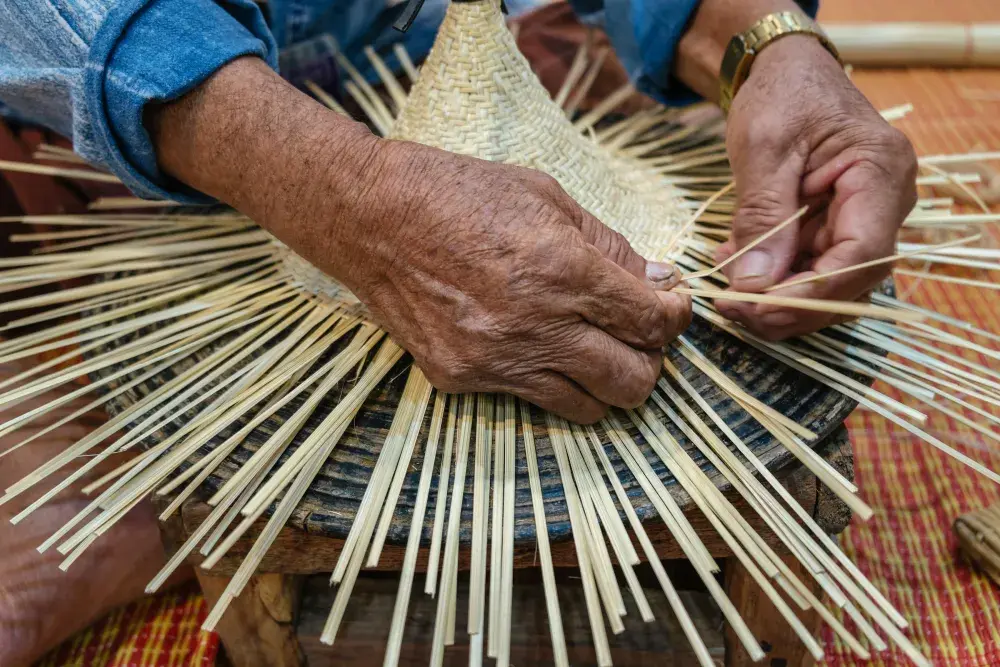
(491, 275)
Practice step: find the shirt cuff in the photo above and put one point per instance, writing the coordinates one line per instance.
(646, 33)
(151, 51)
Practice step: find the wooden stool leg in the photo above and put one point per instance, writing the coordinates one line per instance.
(258, 629)
(782, 646)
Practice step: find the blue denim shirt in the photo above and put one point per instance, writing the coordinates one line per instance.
(88, 68)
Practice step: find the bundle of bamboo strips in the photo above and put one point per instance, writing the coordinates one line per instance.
(979, 536)
(249, 332)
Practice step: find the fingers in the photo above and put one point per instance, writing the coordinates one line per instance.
(862, 224)
(613, 246)
(629, 308)
(773, 323)
(609, 370)
(768, 195)
(557, 393)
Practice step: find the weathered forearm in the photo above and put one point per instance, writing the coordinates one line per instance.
(248, 138)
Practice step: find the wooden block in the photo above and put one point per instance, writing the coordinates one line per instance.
(782, 647)
(258, 629)
(361, 641)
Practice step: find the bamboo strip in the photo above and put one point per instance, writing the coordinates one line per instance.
(444, 477)
(607, 580)
(576, 70)
(955, 280)
(128, 203)
(702, 655)
(495, 608)
(387, 356)
(590, 593)
(395, 641)
(682, 232)
(851, 308)
(509, 484)
(600, 499)
(114, 424)
(750, 246)
(445, 616)
(874, 262)
(395, 90)
(45, 170)
(774, 420)
(480, 517)
(697, 486)
(292, 385)
(406, 62)
(580, 94)
(236, 383)
(630, 453)
(401, 468)
(935, 316)
(607, 105)
(664, 503)
(559, 653)
(96, 436)
(282, 476)
(862, 399)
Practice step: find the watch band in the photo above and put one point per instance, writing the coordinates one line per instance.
(744, 48)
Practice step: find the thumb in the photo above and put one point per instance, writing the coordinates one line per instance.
(767, 196)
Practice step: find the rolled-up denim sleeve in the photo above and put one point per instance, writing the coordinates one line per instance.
(90, 69)
(645, 35)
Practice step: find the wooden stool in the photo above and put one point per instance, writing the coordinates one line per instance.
(278, 618)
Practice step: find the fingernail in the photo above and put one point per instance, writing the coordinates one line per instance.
(662, 275)
(754, 264)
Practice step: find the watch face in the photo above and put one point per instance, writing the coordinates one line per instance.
(735, 53)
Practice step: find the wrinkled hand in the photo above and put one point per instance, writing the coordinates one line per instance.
(490, 275)
(496, 280)
(799, 133)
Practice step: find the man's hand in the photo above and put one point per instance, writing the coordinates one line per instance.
(496, 280)
(490, 275)
(799, 132)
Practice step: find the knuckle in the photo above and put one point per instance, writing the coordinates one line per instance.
(544, 183)
(653, 326)
(638, 386)
(590, 414)
(760, 210)
(448, 376)
(769, 135)
(616, 248)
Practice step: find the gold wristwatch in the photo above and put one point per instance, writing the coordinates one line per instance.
(744, 47)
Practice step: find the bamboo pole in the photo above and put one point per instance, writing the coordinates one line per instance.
(917, 44)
